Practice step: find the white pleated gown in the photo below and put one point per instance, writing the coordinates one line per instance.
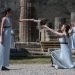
(63, 57)
(5, 47)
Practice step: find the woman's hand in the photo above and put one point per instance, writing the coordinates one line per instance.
(38, 21)
(2, 37)
(1, 40)
(44, 26)
(21, 20)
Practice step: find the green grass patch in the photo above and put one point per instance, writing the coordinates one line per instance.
(31, 60)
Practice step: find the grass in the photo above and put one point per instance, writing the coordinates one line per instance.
(30, 60)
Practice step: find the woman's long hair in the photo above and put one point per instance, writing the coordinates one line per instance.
(8, 10)
(67, 28)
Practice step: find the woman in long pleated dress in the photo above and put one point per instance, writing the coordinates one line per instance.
(5, 39)
(62, 58)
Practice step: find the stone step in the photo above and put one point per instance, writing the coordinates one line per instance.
(28, 45)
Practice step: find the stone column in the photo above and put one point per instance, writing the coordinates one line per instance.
(23, 34)
(29, 15)
(26, 11)
(72, 17)
(57, 22)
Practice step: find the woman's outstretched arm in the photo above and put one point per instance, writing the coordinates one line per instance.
(21, 20)
(37, 20)
(53, 31)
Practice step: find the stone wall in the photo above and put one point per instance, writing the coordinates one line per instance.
(43, 8)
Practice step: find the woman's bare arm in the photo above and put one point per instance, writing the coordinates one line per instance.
(2, 25)
(34, 20)
(22, 20)
(53, 31)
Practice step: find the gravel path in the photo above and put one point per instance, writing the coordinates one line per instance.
(36, 69)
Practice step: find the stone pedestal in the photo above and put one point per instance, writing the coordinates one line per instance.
(47, 35)
(44, 35)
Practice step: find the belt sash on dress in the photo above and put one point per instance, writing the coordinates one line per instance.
(63, 43)
(6, 26)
